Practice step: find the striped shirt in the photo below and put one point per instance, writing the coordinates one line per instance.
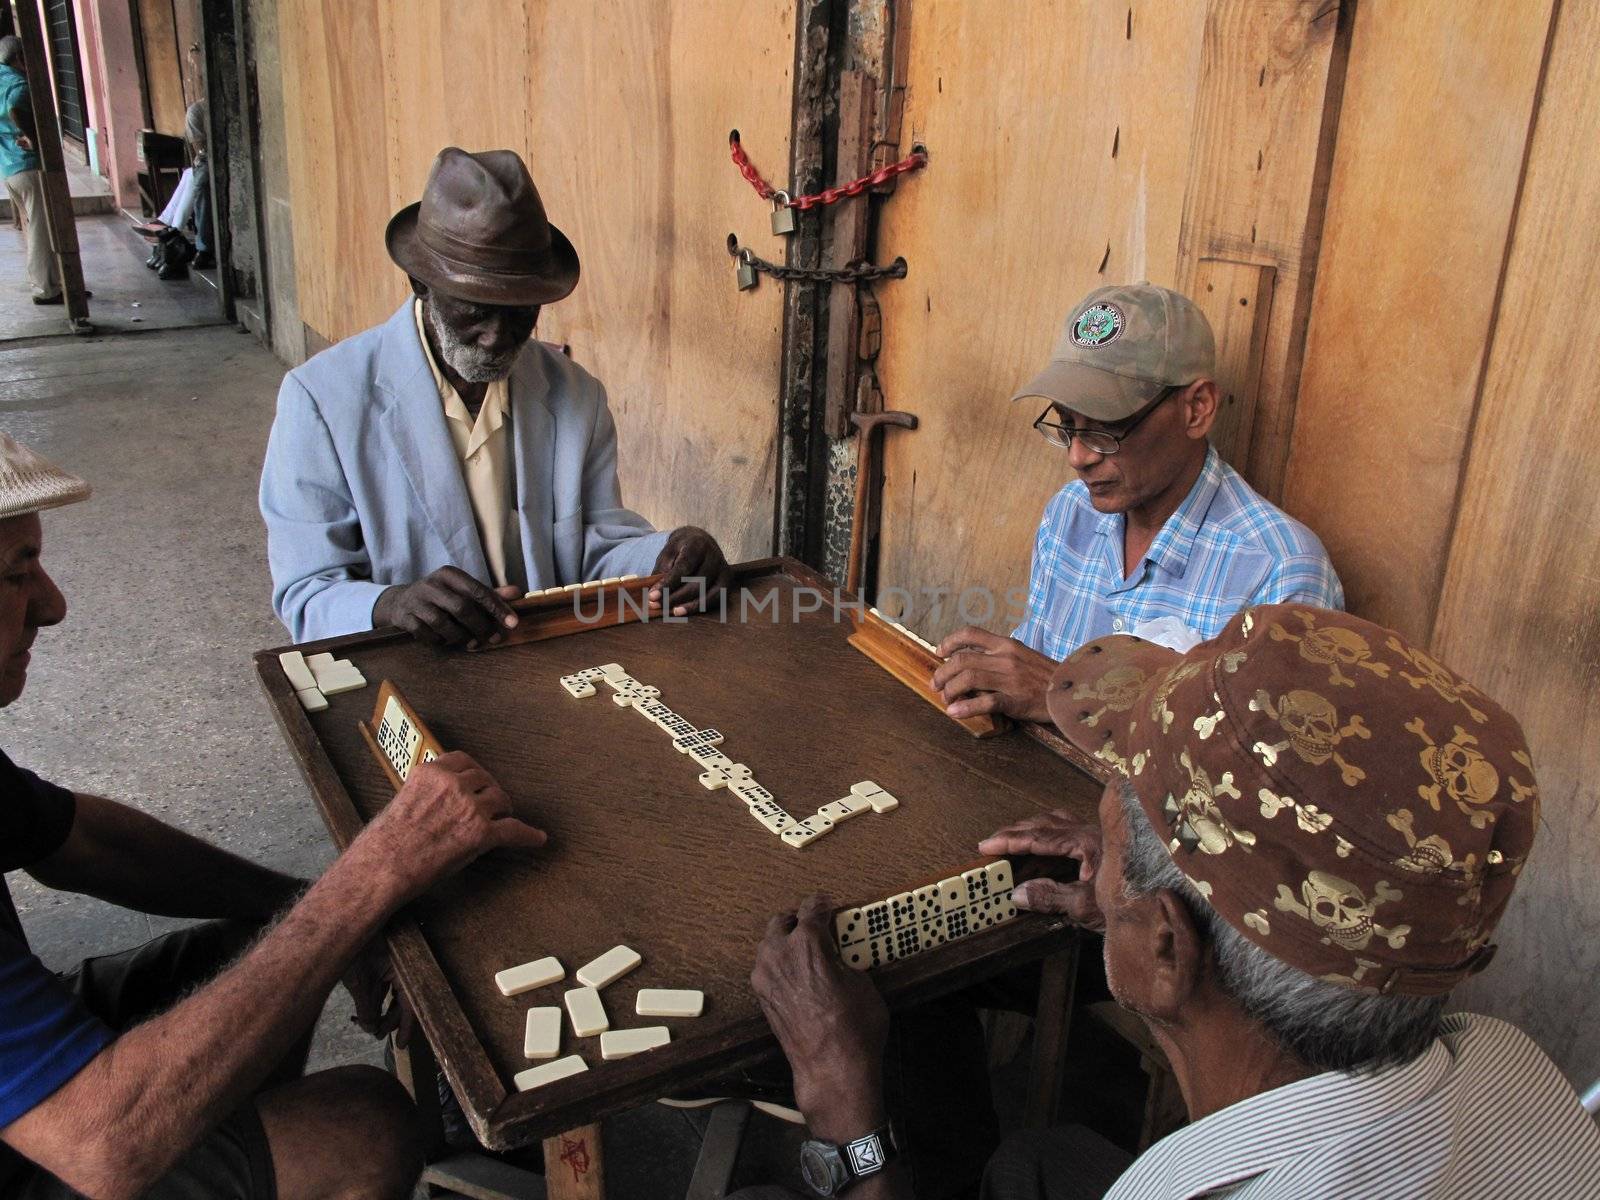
(1482, 1114)
(1225, 548)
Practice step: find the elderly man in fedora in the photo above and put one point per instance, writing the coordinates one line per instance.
(1297, 858)
(172, 1071)
(425, 472)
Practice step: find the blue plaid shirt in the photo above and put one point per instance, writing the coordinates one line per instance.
(1223, 549)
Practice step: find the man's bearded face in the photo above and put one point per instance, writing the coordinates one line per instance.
(479, 342)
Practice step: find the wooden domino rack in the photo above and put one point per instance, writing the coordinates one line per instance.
(913, 661)
(640, 853)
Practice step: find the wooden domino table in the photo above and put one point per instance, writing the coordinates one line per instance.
(641, 854)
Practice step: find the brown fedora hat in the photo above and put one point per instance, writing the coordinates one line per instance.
(480, 233)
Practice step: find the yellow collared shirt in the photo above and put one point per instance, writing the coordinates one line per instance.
(484, 448)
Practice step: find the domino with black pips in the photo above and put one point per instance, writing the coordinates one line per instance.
(696, 740)
(902, 911)
(927, 902)
(849, 926)
(577, 687)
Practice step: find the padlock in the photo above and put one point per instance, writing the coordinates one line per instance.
(782, 215)
(747, 273)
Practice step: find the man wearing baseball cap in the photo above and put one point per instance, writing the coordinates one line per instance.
(1311, 831)
(173, 1070)
(1157, 534)
(426, 472)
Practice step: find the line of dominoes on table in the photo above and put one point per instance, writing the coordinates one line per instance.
(717, 769)
(925, 917)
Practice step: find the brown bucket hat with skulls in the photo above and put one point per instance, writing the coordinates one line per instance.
(1339, 797)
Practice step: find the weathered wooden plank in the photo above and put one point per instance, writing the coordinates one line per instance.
(1265, 105)
(1418, 215)
(1059, 142)
(1519, 613)
(1237, 300)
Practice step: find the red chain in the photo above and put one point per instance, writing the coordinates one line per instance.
(913, 161)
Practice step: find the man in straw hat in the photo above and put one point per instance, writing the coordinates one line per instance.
(423, 473)
(1311, 830)
(174, 1070)
(1156, 535)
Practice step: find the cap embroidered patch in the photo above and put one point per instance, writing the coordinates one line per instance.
(1097, 325)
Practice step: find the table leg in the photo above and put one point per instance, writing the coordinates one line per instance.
(574, 1168)
(1052, 1020)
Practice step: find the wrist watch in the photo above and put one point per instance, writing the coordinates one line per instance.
(830, 1169)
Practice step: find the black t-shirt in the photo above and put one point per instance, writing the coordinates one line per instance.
(35, 818)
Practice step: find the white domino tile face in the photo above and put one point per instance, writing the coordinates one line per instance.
(587, 1013)
(620, 1043)
(549, 1072)
(515, 980)
(296, 671)
(541, 1037)
(670, 1002)
(609, 967)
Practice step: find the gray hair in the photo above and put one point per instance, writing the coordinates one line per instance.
(11, 50)
(1326, 1026)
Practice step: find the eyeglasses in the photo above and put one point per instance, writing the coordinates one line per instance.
(1097, 441)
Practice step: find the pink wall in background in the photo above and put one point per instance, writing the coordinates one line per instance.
(105, 44)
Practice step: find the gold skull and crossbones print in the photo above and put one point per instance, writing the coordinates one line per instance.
(1311, 723)
(1333, 647)
(1342, 911)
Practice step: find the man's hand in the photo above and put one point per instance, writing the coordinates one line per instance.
(1054, 835)
(830, 1021)
(987, 673)
(449, 812)
(24, 142)
(447, 608)
(380, 1009)
(695, 571)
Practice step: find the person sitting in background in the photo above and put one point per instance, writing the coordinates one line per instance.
(173, 1071)
(1157, 535)
(424, 473)
(191, 199)
(1295, 863)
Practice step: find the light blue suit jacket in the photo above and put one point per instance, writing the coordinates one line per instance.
(362, 488)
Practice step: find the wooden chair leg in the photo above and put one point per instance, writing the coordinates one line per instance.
(574, 1168)
(719, 1151)
(416, 1069)
(1052, 1021)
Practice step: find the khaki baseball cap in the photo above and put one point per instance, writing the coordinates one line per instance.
(1120, 347)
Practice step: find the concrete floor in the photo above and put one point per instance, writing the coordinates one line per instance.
(127, 295)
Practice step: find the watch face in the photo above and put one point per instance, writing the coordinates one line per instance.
(866, 1155)
(817, 1168)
